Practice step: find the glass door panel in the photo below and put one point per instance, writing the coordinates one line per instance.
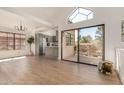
(91, 45)
(70, 45)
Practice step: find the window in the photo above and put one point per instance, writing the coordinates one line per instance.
(69, 39)
(17, 41)
(80, 14)
(23, 41)
(11, 41)
(3, 41)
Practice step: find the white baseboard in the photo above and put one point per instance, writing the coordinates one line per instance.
(120, 77)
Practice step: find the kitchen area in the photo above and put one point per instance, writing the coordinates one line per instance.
(47, 44)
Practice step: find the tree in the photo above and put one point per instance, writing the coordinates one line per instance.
(99, 34)
(86, 39)
(79, 37)
(30, 42)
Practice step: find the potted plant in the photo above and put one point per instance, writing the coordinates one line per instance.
(106, 67)
(30, 42)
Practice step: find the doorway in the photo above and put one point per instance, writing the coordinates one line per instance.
(84, 45)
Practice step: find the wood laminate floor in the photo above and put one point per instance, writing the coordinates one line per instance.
(40, 70)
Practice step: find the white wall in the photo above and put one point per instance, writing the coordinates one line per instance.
(112, 18)
(120, 63)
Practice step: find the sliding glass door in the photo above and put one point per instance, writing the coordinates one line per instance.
(84, 45)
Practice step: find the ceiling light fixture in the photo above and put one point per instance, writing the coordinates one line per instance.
(20, 27)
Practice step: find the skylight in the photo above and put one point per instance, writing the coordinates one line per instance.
(80, 14)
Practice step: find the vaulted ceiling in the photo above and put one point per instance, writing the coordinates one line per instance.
(42, 18)
(39, 17)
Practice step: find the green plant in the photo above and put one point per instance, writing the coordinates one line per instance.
(30, 42)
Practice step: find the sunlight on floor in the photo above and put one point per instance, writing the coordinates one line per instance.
(9, 59)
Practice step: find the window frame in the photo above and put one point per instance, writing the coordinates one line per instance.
(8, 40)
(69, 37)
(5, 41)
(14, 41)
(24, 41)
(19, 41)
(77, 9)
